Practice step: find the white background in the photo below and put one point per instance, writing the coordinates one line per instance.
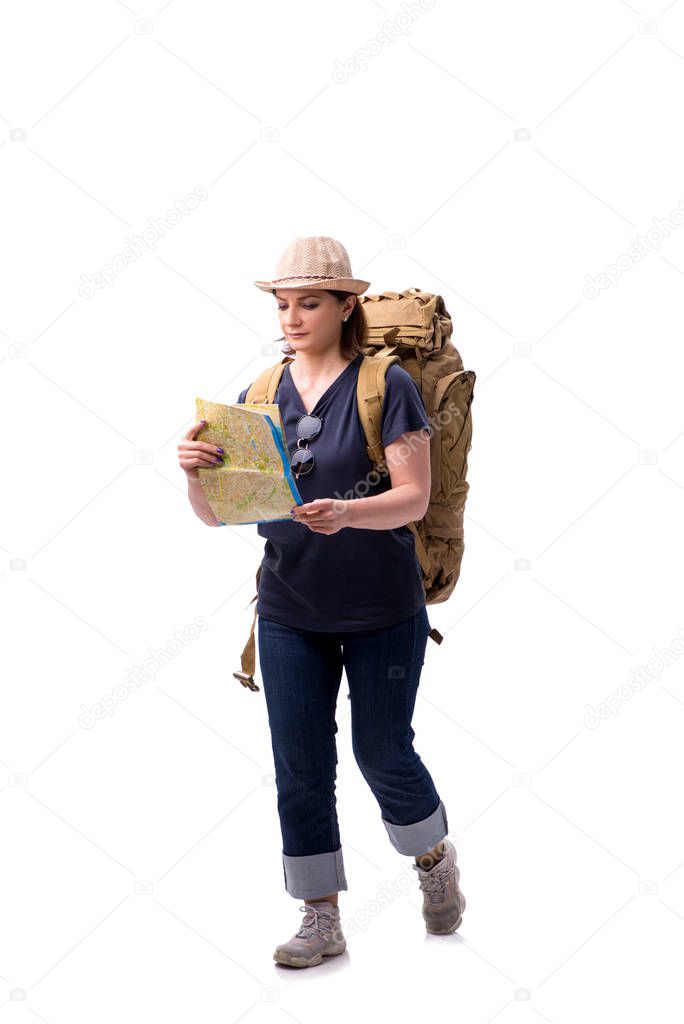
(504, 155)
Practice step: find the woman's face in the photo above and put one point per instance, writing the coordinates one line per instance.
(310, 318)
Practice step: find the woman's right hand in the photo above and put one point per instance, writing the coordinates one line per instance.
(192, 453)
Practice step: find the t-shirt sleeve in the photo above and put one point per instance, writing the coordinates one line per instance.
(403, 408)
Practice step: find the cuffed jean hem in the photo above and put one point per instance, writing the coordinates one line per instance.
(420, 836)
(314, 875)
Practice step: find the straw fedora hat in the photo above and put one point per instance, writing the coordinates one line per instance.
(315, 262)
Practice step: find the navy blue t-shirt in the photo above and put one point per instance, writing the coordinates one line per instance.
(355, 579)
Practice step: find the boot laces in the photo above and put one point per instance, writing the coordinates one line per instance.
(436, 882)
(317, 921)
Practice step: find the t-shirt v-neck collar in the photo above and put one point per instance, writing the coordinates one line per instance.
(328, 390)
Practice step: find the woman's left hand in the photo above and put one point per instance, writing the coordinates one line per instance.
(324, 515)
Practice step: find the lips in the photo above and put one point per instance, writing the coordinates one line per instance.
(303, 335)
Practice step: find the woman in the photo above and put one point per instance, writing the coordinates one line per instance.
(341, 587)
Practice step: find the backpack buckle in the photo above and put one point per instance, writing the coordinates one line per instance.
(246, 679)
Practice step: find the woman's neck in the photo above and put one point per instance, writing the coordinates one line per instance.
(311, 368)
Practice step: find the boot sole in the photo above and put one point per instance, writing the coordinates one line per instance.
(301, 961)
(448, 931)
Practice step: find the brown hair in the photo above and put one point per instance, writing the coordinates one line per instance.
(354, 329)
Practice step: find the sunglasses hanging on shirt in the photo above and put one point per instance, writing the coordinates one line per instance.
(308, 427)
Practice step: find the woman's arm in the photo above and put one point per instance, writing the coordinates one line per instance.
(191, 455)
(199, 503)
(408, 462)
(397, 507)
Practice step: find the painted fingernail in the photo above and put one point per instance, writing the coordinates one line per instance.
(220, 450)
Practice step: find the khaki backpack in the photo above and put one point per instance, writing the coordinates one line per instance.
(412, 328)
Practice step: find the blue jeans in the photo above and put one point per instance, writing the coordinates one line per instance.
(301, 672)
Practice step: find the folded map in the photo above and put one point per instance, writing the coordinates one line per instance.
(255, 483)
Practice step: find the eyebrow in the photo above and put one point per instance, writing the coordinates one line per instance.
(309, 295)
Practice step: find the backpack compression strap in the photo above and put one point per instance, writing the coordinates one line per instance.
(248, 656)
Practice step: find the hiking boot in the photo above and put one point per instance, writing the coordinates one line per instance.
(443, 901)
(320, 935)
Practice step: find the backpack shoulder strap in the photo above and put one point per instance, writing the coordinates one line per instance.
(263, 390)
(370, 391)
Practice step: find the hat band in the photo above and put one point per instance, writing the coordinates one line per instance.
(306, 277)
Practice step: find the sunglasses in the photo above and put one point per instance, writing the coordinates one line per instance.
(307, 428)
